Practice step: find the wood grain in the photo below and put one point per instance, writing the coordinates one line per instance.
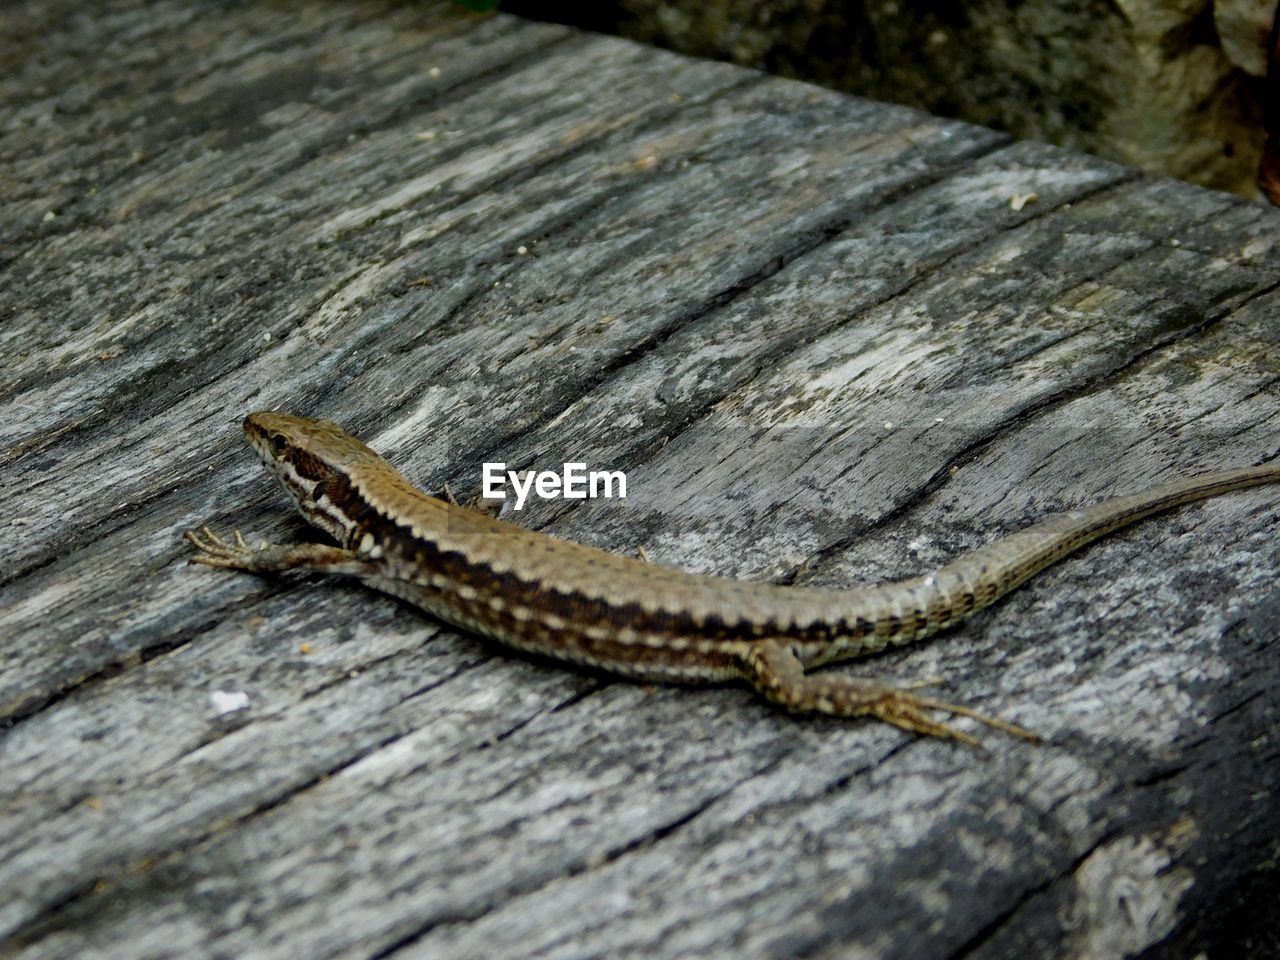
(825, 348)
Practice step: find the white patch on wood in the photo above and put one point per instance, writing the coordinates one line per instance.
(1127, 898)
(228, 701)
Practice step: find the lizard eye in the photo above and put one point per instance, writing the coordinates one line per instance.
(279, 445)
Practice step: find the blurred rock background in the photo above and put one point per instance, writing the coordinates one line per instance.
(1171, 86)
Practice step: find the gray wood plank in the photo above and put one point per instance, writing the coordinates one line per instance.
(826, 349)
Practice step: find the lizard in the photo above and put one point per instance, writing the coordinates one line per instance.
(632, 618)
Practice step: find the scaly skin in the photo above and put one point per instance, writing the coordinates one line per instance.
(576, 603)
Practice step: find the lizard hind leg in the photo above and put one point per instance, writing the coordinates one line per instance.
(774, 669)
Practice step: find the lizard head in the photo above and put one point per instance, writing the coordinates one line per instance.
(314, 460)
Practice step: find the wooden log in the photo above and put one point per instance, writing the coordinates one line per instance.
(829, 341)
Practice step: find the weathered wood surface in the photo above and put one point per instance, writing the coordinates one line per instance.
(824, 346)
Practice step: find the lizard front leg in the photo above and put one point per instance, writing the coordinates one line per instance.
(276, 558)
